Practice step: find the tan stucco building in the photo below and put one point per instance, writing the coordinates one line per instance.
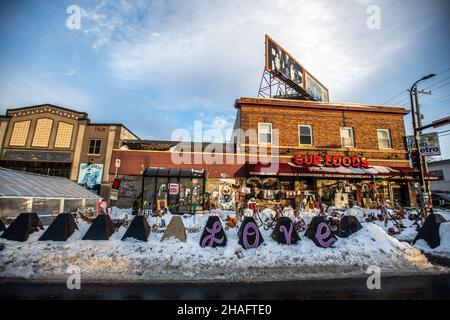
(54, 140)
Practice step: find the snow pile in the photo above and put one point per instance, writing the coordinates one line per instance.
(171, 260)
(444, 249)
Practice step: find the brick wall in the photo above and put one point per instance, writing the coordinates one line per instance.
(326, 121)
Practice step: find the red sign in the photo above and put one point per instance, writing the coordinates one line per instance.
(116, 184)
(330, 160)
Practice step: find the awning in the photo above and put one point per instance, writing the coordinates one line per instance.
(174, 172)
(291, 170)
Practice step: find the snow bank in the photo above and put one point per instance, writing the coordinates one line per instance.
(171, 260)
(444, 249)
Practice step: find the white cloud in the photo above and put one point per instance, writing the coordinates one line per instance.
(214, 51)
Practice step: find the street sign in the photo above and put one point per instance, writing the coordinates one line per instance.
(114, 194)
(429, 145)
(118, 163)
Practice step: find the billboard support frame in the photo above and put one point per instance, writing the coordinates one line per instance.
(273, 87)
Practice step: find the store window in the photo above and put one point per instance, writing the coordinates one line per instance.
(438, 173)
(95, 146)
(20, 133)
(347, 139)
(264, 133)
(42, 132)
(179, 190)
(63, 135)
(384, 139)
(305, 136)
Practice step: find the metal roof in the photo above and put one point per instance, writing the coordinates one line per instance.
(22, 184)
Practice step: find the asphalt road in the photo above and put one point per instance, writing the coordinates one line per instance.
(418, 287)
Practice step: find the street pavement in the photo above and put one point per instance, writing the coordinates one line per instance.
(412, 287)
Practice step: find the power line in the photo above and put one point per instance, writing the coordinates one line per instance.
(435, 83)
(397, 95)
(405, 91)
(443, 85)
(435, 101)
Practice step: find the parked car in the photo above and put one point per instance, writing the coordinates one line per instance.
(441, 200)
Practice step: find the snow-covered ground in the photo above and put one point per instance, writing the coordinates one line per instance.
(172, 260)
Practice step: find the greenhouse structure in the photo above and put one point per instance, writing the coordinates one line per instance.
(45, 195)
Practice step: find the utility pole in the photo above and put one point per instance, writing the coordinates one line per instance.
(423, 160)
(416, 121)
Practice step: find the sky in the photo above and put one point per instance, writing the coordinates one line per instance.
(156, 66)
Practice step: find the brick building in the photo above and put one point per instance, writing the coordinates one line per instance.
(53, 140)
(290, 134)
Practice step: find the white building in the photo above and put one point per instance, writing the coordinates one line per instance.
(440, 168)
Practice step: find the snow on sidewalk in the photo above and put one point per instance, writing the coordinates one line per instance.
(171, 260)
(443, 250)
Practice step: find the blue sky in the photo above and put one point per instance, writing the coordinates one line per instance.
(159, 65)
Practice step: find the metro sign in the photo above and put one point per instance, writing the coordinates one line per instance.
(330, 161)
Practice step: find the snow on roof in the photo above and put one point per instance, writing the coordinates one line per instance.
(22, 184)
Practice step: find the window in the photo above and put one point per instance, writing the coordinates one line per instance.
(94, 146)
(63, 135)
(305, 135)
(347, 140)
(384, 139)
(42, 132)
(264, 133)
(20, 133)
(438, 173)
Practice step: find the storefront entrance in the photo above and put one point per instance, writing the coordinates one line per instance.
(178, 190)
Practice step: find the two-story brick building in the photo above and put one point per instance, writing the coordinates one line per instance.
(289, 150)
(58, 141)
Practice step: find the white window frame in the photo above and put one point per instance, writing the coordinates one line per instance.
(311, 133)
(352, 136)
(389, 136)
(271, 133)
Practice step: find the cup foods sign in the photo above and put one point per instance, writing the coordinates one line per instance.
(330, 160)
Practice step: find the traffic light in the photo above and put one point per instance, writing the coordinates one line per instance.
(415, 161)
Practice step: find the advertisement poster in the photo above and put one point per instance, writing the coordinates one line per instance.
(429, 145)
(90, 176)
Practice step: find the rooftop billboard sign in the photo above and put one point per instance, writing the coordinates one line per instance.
(285, 67)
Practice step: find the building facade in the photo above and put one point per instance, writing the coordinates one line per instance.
(440, 169)
(296, 152)
(53, 140)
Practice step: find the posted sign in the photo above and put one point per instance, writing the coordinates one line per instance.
(429, 145)
(173, 188)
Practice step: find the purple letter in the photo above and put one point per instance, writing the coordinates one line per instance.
(250, 225)
(321, 236)
(211, 239)
(287, 234)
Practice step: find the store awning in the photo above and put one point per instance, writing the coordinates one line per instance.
(174, 172)
(291, 170)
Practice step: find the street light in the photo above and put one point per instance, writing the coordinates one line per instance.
(415, 115)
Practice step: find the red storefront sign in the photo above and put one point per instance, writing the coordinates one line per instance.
(330, 160)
